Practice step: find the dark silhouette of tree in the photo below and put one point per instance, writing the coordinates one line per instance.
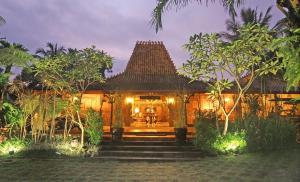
(6, 45)
(247, 16)
(2, 20)
(51, 51)
(290, 8)
(163, 5)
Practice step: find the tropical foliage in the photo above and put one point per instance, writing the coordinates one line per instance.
(248, 16)
(288, 51)
(213, 61)
(2, 20)
(252, 134)
(73, 73)
(163, 5)
(51, 51)
(266, 134)
(290, 8)
(94, 127)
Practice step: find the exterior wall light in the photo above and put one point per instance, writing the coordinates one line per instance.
(129, 100)
(170, 100)
(227, 99)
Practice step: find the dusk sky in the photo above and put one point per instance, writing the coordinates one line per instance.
(112, 25)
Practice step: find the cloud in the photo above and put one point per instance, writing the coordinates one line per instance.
(113, 26)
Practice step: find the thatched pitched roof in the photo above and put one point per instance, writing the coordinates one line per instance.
(270, 84)
(151, 68)
(266, 84)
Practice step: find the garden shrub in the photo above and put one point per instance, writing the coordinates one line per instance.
(68, 147)
(12, 115)
(94, 127)
(14, 145)
(206, 133)
(232, 142)
(267, 134)
(209, 139)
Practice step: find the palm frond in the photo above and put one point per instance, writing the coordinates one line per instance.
(247, 16)
(2, 20)
(41, 51)
(267, 17)
(163, 5)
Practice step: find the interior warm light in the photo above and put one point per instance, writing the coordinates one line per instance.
(129, 100)
(75, 98)
(227, 99)
(207, 106)
(136, 110)
(170, 100)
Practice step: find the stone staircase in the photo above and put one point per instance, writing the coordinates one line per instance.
(149, 148)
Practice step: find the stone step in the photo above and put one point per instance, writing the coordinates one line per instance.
(143, 138)
(149, 133)
(156, 154)
(146, 159)
(148, 138)
(146, 143)
(147, 148)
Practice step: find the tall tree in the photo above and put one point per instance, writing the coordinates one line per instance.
(51, 51)
(290, 8)
(8, 60)
(163, 5)
(247, 16)
(288, 52)
(74, 72)
(211, 60)
(10, 55)
(2, 20)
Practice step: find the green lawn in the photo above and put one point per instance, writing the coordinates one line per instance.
(277, 166)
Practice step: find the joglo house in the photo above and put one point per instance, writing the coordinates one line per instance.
(150, 95)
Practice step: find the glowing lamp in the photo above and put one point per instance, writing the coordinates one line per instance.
(227, 99)
(129, 100)
(75, 98)
(136, 110)
(170, 100)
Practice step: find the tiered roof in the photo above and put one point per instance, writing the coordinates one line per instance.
(151, 68)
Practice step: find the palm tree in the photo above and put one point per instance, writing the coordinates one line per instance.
(290, 8)
(247, 16)
(52, 50)
(163, 5)
(16, 46)
(2, 20)
(291, 19)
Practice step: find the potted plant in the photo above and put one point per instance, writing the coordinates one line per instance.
(180, 132)
(117, 125)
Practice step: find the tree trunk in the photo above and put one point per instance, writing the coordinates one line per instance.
(82, 136)
(217, 123)
(81, 128)
(24, 131)
(66, 128)
(226, 124)
(53, 120)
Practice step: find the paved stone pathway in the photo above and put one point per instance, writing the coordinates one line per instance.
(283, 167)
